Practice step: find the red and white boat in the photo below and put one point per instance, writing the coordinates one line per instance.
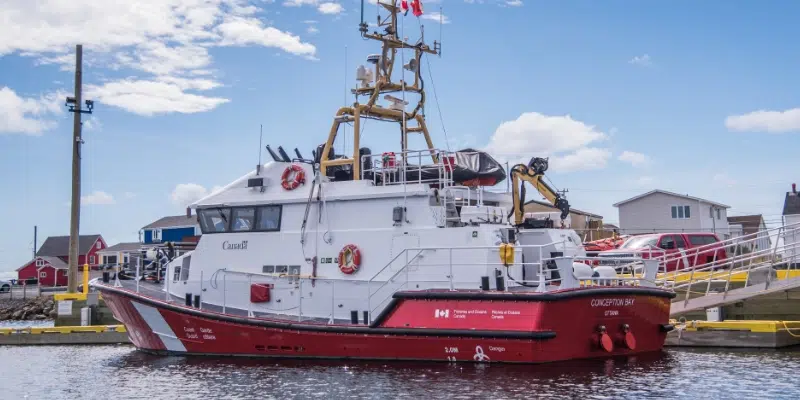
(407, 256)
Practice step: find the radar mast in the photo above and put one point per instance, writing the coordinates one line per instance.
(378, 81)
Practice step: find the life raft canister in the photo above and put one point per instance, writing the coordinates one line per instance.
(292, 177)
(351, 265)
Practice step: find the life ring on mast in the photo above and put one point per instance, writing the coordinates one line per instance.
(349, 266)
(292, 177)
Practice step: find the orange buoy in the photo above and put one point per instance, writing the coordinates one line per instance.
(351, 264)
(292, 177)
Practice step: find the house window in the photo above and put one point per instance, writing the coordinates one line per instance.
(156, 235)
(42, 274)
(99, 245)
(39, 262)
(91, 260)
(718, 213)
(681, 212)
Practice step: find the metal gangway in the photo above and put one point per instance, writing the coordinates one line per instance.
(745, 272)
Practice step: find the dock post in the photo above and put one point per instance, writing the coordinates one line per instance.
(86, 278)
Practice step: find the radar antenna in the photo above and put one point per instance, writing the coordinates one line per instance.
(377, 81)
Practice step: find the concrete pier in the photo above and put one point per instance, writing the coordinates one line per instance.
(64, 335)
(740, 334)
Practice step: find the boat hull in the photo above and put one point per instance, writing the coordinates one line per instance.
(470, 327)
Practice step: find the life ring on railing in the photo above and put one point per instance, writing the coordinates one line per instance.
(292, 177)
(349, 266)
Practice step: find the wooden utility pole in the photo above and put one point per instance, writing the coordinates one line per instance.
(74, 104)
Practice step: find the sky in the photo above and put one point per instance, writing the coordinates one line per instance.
(624, 97)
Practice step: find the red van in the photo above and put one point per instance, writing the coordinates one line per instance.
(680, 250)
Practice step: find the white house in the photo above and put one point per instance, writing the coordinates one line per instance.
(791, 220)
(663, 211)
(755, 226)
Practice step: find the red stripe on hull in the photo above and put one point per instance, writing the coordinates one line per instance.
(575, 322)
(139, 331)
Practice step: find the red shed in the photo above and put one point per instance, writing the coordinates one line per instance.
(54, 254)
(50, 271)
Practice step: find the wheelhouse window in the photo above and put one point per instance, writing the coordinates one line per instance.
(244, 219)
(269, 218)
(214, 220)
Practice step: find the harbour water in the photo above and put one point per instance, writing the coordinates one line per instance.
(103, 372)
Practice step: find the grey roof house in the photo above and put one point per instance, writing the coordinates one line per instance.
(664, 211)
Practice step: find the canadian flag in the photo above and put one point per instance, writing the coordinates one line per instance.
(416, 7)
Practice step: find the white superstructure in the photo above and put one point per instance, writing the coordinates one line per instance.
(438, 233)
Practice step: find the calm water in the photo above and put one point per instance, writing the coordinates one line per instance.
(103, 372)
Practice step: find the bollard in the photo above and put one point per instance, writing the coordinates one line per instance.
(484, 283)
(501, 285)
(354, 317)
(105, 276)
(85, 278)
(197, 301)
(366, 317)
(188, 299)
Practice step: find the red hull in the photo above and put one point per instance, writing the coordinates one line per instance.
(436, 326)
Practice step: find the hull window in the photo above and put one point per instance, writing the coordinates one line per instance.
(187, 261)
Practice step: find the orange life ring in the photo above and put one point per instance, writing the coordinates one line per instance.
(293, 183)
(355, 261)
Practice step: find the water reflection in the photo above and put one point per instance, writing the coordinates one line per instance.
(120, 371)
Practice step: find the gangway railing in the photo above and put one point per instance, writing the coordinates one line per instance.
(724, 279)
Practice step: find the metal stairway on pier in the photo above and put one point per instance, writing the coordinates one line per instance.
(746, 273)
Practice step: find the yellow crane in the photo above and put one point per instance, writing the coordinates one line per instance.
(533, 174)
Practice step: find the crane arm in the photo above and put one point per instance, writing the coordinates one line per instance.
(533, 173)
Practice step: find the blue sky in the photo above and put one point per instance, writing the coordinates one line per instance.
(625, 97)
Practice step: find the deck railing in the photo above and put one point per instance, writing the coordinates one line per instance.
(226, 290)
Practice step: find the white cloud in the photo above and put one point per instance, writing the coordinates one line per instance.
(239, 31)
(91, 124)
(724, 180)
(643, 60)
(185, 194)
(537, 134)
(98, 197)
(765, 121)
(298, 3)
(152, 97)
(634, 158)
(330, 8)
(514, 3)
(583, 159)
(168, 39)
(29, 115)
(312, 30)
(436, 17)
